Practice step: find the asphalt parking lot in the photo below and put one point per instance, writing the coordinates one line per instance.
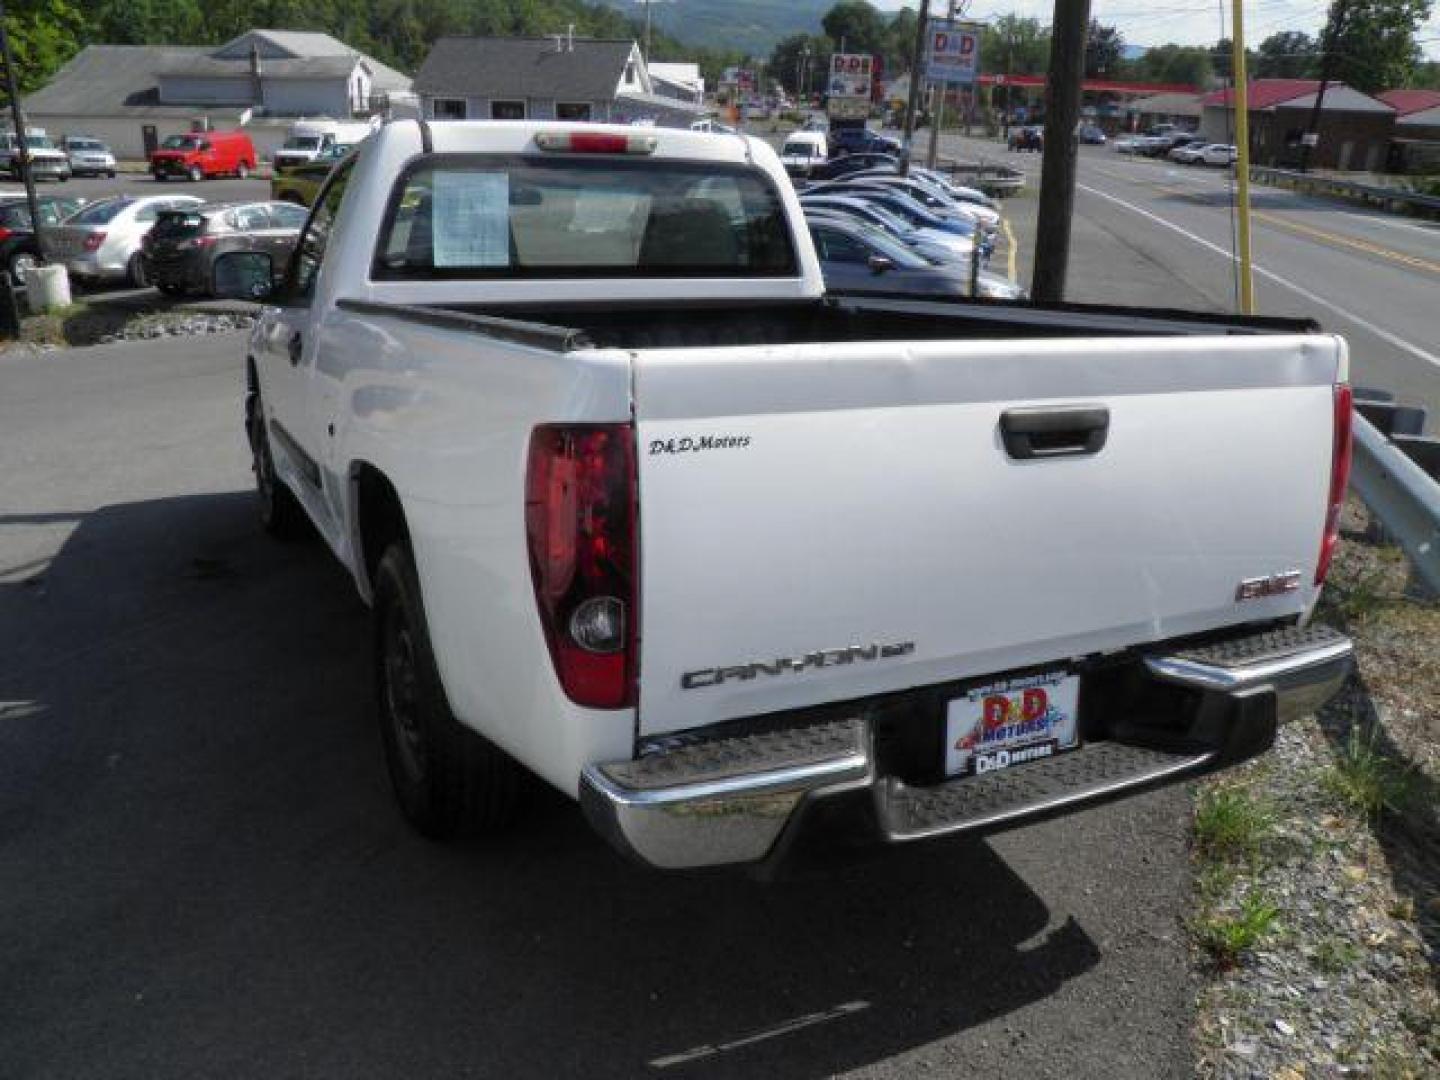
(201, 873)
(219, 189)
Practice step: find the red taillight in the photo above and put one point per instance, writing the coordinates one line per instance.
(5, 233)
(580, 528)
(1339, 479)
(94, 240)
(595, 142)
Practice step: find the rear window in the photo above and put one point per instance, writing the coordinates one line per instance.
(86, 144)
(182, 142)
(800, 148)
(302, 142)
(101, 212)
(178, 223)
(510, 217)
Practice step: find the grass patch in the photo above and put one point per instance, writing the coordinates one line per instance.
(1228, 937)
(1231, 824)
(1334, 955)
(1366, 778)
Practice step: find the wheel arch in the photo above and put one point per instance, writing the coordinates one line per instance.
(377, 519)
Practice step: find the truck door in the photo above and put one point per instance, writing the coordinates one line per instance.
(288, 356)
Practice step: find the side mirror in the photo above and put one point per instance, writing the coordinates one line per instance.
(880, 263)
(244, 275)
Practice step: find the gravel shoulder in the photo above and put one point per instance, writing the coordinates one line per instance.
(1338, 870)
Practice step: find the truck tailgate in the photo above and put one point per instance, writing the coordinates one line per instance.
(825, 522)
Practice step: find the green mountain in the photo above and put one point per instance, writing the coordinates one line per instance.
(751, 26)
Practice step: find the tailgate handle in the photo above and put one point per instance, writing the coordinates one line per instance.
(1054, 431)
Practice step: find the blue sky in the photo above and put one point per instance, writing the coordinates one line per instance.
(1185, 22)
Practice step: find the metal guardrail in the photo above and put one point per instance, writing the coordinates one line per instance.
(1387, 197)
(1402, 495)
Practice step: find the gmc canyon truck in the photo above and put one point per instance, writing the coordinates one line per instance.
(640, 508)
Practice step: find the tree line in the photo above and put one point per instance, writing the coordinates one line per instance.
(1372, 45)
(46, 33)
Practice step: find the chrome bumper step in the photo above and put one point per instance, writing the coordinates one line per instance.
(1023, 791)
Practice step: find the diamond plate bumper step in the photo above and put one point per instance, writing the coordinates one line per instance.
(1032, 789)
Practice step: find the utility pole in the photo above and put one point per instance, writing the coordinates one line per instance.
(917, 62)
(938, 117)
(1240, 98)
(12, 90)
(1057, 171)
(1333, 29)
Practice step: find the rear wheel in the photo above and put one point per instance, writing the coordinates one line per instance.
(445, 776)
(195, 173)
(242, 170)
(136, 273)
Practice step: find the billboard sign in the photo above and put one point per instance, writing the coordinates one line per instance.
(953, 52)
(850, 75)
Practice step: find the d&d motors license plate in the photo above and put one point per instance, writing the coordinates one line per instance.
(1012, 721)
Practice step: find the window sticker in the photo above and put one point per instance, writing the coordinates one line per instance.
(470, 218)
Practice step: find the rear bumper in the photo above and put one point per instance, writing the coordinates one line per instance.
(740, 799)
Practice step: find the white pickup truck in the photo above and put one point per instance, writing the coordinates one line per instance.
(639, 508)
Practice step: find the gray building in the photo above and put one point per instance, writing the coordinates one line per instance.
(543, 78)
(133, 96)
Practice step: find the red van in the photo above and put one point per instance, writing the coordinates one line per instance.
(201, 154)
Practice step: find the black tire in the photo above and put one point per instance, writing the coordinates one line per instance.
(170, 289)
(280, 512)
(242, 171)
(135, 272)
(446, 778)
(110, 175)
(195, 173)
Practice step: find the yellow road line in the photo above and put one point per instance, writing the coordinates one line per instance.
(1309, 230)
(1009, 251)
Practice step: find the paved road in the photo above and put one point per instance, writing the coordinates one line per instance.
(1371, 276)
(219, 189)
(201, 873)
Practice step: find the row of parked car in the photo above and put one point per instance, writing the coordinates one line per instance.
(879, 232)
(169, 241)
(1186, 147)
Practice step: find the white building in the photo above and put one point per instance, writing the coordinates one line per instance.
(133, 96)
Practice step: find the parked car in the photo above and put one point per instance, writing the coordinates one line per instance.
(203, 154)
(713, 126)
(1092, 135)
(1152, 145)
(18, 248)
(858, 259)
(919, 216)
(1219, 154)
(850, 164)
(102, 241)
(637, 508)
(860, 140)
(179, 253)
(1027, 138)
(928, 194)
(1125, 144)
(1188, 153)
(88, 157)
(47, 161)
(934, 244)
(312, 139)
(802, 151)
(302, 183)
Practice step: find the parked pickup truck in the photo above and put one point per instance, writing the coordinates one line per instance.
(641, 509)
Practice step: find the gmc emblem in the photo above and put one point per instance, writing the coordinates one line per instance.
(1256, 587)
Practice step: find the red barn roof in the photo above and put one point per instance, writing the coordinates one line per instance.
(1405, 102)
(1099, 85)
(1264, 93)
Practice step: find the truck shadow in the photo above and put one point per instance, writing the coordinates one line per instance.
(200, 866)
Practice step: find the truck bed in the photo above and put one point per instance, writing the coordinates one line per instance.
(837, 318)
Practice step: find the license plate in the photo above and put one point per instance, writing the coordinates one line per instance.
(1012, 721)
